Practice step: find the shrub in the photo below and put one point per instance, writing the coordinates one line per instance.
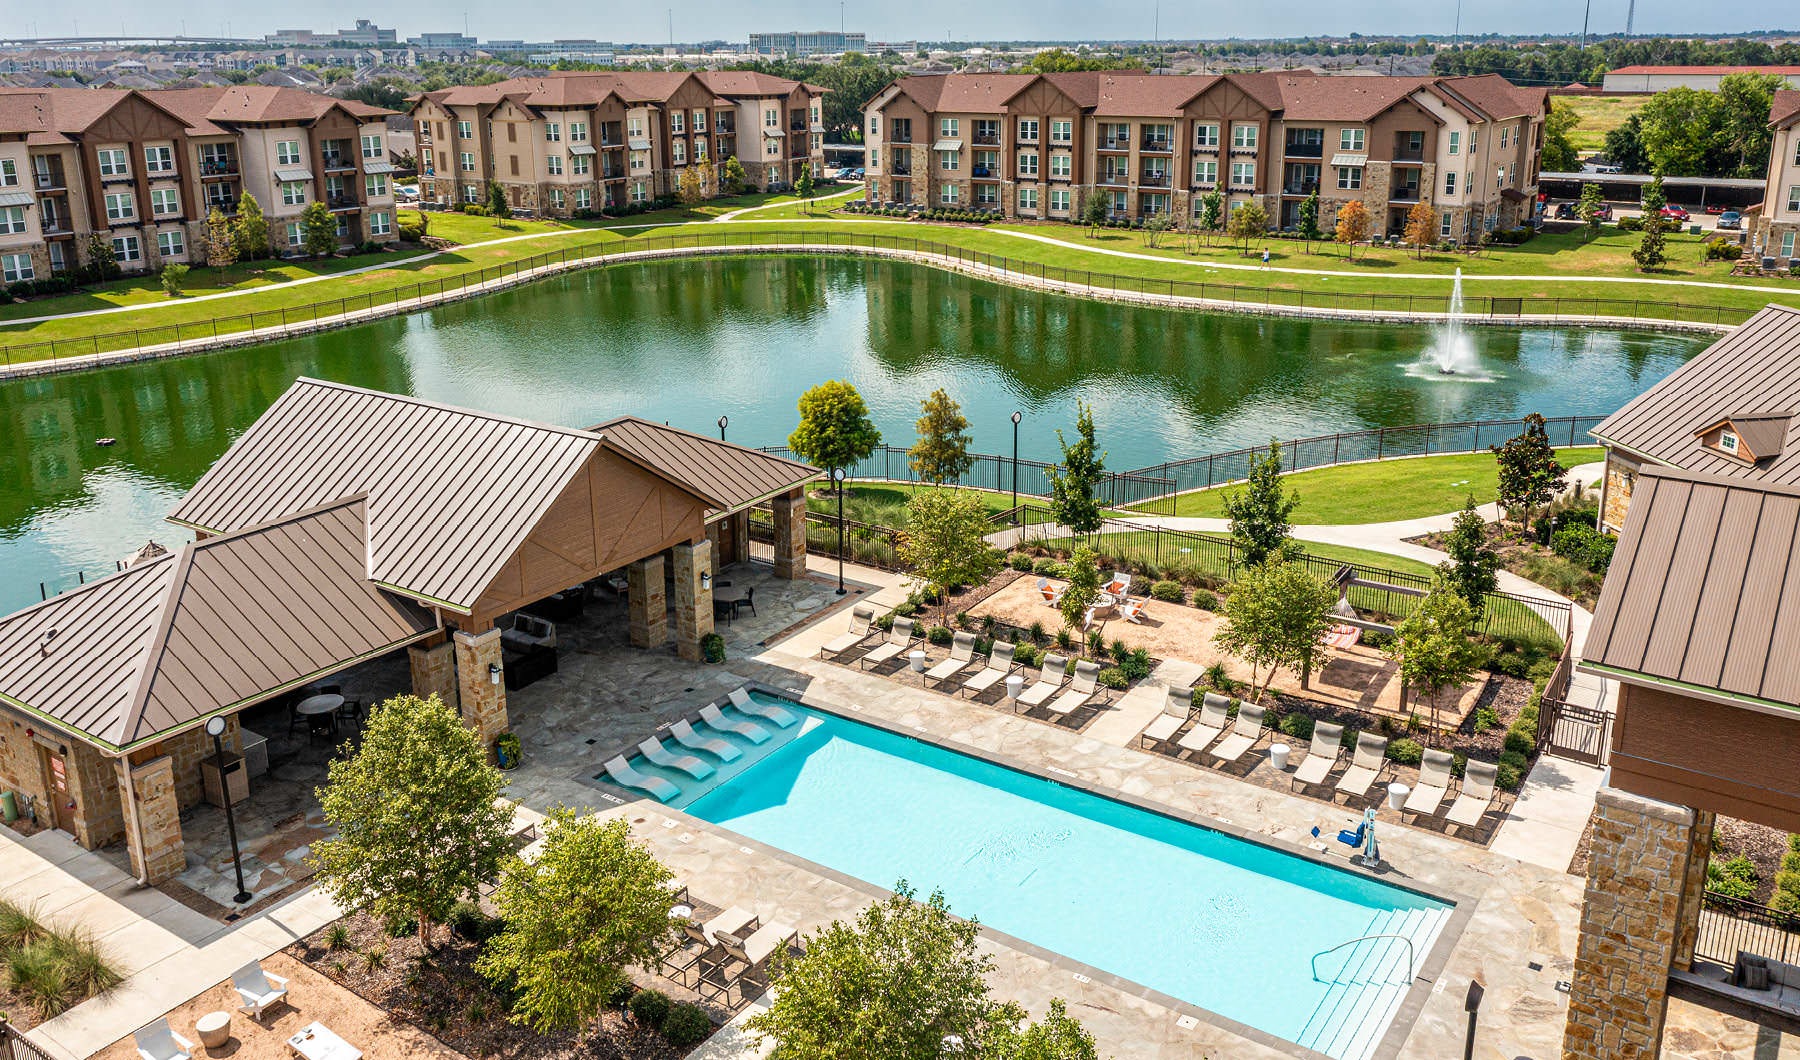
(1096, 643)
(1631, 224)
(712, 648)
(1026, 654)
(1205, 600)
(1458, 763)
(19, 928)
(686, 1025)
(1786, 901)
(401, 926)
(1167, 591)
(1299, 726)
(649, 1007)
(1721, 248)
(1405, 752)
(907, 608)
(1514, 759)
(964, 620)
(1788, 880)
(337, 937)
(1508, 777)
(1485, 719)
(939, 635)
(1020, 562)
(1048, 567)
(35, 974)
(1794, 842)
(1036, 632)
(467, 920)
(1216, 676)
(1136, 665)
(1119, 651)
(1518, 741)
(1064, 638)
(1114, 677)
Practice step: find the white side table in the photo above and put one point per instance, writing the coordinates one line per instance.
(1014, 685)
(214, 1029)
(1278, 755)
(1397, 793)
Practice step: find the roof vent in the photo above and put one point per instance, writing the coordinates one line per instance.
(44, 641)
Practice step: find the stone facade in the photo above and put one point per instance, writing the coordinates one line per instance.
(482, 700)
(1615, 493)
(434, 672)
(21, 764)
(790, 534)
(647, 602)
(157, 851)
(1694, 886)
(693, 601)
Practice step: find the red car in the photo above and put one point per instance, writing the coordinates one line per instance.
(1672, 212)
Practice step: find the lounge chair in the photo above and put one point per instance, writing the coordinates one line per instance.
(1050, 679)
(1322, 757)
(1433, 785)
(744, 959)
(654, 751)
(1132, 610)
(1477, 795)
(767, 712)
(1214, 717)
(686, 736)
(999, 664)
(730, 924)
(158, 1041)
(625, 776)
(1082, 688)
(1243, 736)
(1365, 765)
(962, 653)
(1117, 583)
(1052, 594)
(899, 639)
(1177, 706)
(749, 730)
(862, 618)
(257, 989)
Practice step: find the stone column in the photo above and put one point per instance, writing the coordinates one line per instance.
(1630, 917)
(153, 823)
(740, 539)
(693, 604)
(482, 701)
(790, 534)
(646, 603)
(434, 671)
(1693, 889)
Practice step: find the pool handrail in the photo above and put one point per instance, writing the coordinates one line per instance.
(1411, 954)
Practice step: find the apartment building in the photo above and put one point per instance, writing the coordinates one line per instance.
(1038, 146)
(144, 169)
(1778, 229)
(581, 141)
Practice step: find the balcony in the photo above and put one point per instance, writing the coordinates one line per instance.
(1119, 179)
(1299, 187)
(1404, 194)
(797, 126)
(337, 161)
(986, 139)
(612, 174)
(984, 173)
(1154, 180)
(53, 225)
(52, 181)
(1301, 150)
(1159, 146)
(218, 168)
(342, 202)
(1116, 143)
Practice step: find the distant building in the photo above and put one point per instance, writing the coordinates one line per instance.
(600, 53)
(1704, 78)
(800, 45)
(365, 33)
(445, 41)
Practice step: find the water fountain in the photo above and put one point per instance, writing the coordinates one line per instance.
(1451, 351)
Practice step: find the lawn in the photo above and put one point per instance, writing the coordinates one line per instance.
(884, 504)
(1599, 116)
(1384, 490)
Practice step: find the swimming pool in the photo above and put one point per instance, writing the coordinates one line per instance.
(1226, 924)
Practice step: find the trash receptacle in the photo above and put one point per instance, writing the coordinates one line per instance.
(1693, 230)
(9, 806)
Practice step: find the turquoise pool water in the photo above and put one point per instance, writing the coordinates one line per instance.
(1225, 924)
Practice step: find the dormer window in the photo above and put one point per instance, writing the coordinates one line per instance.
(1728, 441)
(1748, 437)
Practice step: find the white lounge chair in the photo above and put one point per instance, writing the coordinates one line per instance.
(899, 639)
(1214, 716)
(686, 736)
(862, 618)
(1132, 610)
(158, 1041)
(1082, 689)
(730, 924)
(749, 730)
(999, 664)
(1433, 785)
(1243, 736)
(1050, 679)
(622, 774)
(767, 712)
(1365, 765)
(257, 989)
(763, 943)
(1178, 704)
(1477, 795)
(1117, 583)
(1052, 594)
(962, 653)
(654, 751)
(1322, 757)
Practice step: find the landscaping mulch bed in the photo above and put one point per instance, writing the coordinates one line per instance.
(1764, 847)
(1528, 559)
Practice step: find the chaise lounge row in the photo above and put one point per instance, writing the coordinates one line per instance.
(731, 950)
(683, 732)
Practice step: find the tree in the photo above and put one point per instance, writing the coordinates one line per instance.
(318, 230)
(1433, 645)
(1260, 508)
(1154, 229)
(1084, 587)
(1744, 137)
(1624, 146)
(1309, 219)
(1651, 250)
(1276, 613)
(1529, 474)
(733, 178)
(498, 206)
(172, 277)
(416, 812)
(1352, 225)
(1059, 1037)
(1472, 567)
(590, 905)
(1559, 154)
(1093, 211)
(804, 188)
(1073, 485)
(102, 259)
(1588, 206)
(1247, 222)
(220, 251)
(942, 452)
(835, 430)
(1421, 226)
(250, 233)
(1212, 212)
(689, 188)
(945, 541)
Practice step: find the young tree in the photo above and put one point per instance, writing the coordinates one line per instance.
(1529, 475)
(1059, 1037)
(250, 233)
(804, 188)
(318, 230)
(1309, 219)
(1074, 484)
(220, 251)
(732, 177)
(945, 541)
(1248, 222)
(1421, 226)
(1093, 211)
(1588, 206)
(1259, 510)
(1472, 567)
(1275, 613)
(498, 206)
(1084, 587)
(1559, 154)
(688, 187)
(835, 430)
(1433, 646)
(102, 259)
(592, 904)
(1352, 225)
(172, 277)
(1212, 212)
(942, 452)
(1154, 229)
(416, 812)
(1651, 251)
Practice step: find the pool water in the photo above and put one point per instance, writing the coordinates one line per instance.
(1225, 924)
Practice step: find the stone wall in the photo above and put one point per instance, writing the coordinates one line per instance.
(21, 764)
(434, 672)
(1621, 476)
(790, 534)
(157, 853)
(693, 601)
(482, 700)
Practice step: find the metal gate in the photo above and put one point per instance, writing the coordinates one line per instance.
(1583, 734)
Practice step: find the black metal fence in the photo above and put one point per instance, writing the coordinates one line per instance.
(1729, 926)
(1117, 489)
(15, 1046)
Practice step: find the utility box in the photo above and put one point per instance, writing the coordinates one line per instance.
(236, 779)
(256, 753)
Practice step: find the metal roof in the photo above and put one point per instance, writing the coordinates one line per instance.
(215, 625)
(733, 476)
(1704, 591)
(1754, 370)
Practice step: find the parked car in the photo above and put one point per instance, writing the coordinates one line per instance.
(857, 173)
(1731, 219)
(1672, 212)
(1565, 211)
(1716, 208)
(1604, 213)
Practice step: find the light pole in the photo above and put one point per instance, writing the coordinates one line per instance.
(724, 422)
(1016, 417)
(1472, 1005)
(215, 728)
(837, 478)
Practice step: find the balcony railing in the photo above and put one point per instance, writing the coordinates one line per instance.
(990, 139)
(1409, 155)
(50, 181)
(1158, 145)
(1299, 187)
(1115, 178)
(1116, 143)
(52, 225)
(1298, 150)
(982, 172)
(1154, 180)
(333, 161)
(1404, 195)
(900, 171)
(225, 168)
(342, 202)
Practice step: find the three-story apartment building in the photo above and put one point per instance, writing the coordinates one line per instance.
(1778, 229)
(1038, 146)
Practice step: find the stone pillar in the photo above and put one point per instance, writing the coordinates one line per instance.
(482, 701)
(693, 604)
(790, 534)
(646, 603)
(434, 671)
(1630, 917)
(740, 539)
(153, 823)
(1693, 889)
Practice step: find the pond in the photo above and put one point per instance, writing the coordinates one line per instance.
(690, 341)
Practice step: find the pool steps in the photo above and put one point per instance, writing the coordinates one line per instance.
(1368, 982)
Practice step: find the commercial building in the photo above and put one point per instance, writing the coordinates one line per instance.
(799, 45)
(142, 170)
(1038, 146)
(1778, 226)
(366, 34)
(580, 141)
(1704, 78)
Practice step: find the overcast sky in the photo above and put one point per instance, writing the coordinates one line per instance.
(916, 19)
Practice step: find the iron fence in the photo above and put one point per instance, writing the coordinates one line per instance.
(1729, 926)
(14, 1045)
(1001, 474)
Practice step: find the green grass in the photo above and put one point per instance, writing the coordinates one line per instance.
(884, 504)
(1384, 490)
(1599, 116)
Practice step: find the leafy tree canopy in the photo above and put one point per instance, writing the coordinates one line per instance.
(1261, 508)
(1074, 485)
(1276, 613)
(835, 429)
(942, 452)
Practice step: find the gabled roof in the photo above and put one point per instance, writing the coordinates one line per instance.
(217, 624)
(1310, 98)
(964, 93)
(24, 112)
(735, 477)
(1756, 367)
(1136, 94)
(1785, 108)
(1761, 435)
(1495, 96)
(1704, 590)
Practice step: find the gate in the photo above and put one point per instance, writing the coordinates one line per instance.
(1568, 731)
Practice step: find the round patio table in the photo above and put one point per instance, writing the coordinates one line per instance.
(1278, 755)
(214, 1029)
(1397, 794)
(324, 703)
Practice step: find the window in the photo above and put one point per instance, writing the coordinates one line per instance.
(113, 164)
(380, 223)
(468, 161)
(678, 122)
(165, 201)
(57, 262)
(1206, 172)
(120, 207)
(375, 185)
(1505, 130)
(1028, 130)
(170, 244)
(1059, 165)
(640, 160)
(1206, 136)
(553, 132)
(1793, 203)
(471, 193)
(1350, 139)
(699, 122)
(293, 193)
(947, 161)
(948, 127)
(295, 235)
(1243, 136)
(680, 151)
(634, 127)
(771, 118)
(1059, 200)
(874, 158)
(580, 164)
(287, 152)
(371, 147)
(1455, 142)
(584, 197)
(9, 173)
(1117, 199)
(465, 129)
(553, 163)
(1062, 132)
(1474, 140)
(1450, 183)
(1787, 244)
(16, 268)
(1797, 150)
(1349, 178)
(874, 126)
(1028, 199)
(640, 191)
(947, 194)
(1028, 164)
(126, 248)
(12, 220)
(578, 132)
(1728, 442)
(1243, 174)
(556, 198)
(159, 160)
(987, 195)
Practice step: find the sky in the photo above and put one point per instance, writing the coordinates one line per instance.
(916, 19)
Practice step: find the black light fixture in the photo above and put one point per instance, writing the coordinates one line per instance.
(724, 422)
(837, 478)
(1016, 417)
(215, 728)
(1472, 1005)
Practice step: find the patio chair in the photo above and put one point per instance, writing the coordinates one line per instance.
(1475, 798)
(749, 601)
(1082, 688)
(749, 730)
(1050, 679)
(1322, 757)
(999, 664)
(1365, 765)
(861, 619)
(257, 989)
(625, 776)
(1434, 783)
(962, 653)
(1132, 610)
(899, 639)
(1052, 594)
(654, 751)
(1243, 736)
(1117, 583)
(740, 698)
(352, 707)
(1178, 705)
(1214, 717)
(686, 736)
(158, 1041)
(730, 924)
(752, 957)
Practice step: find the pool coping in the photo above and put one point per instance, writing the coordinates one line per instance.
(1427, 978)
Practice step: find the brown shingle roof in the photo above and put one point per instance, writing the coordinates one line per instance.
(1497, 97)
(1307, 98)
(1704, 590)
(1132, 94)
(964, 93)
(1785, 108)
(734, 476)
(23, 112)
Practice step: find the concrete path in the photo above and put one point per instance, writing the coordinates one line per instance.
(1544, 826)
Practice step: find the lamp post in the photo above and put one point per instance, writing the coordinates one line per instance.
(1016, 417)
(724, 422)
(215, 728)
(1472, 1005)
(837, 478)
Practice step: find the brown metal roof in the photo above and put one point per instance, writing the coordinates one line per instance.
(732, 476)
(1756, 367)
(1704, 590)
(216, 625)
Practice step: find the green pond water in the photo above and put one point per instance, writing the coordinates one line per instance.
(689, 341)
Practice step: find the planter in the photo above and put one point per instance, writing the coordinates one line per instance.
(507, 751)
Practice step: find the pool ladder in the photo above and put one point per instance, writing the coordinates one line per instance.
(1411, 956)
